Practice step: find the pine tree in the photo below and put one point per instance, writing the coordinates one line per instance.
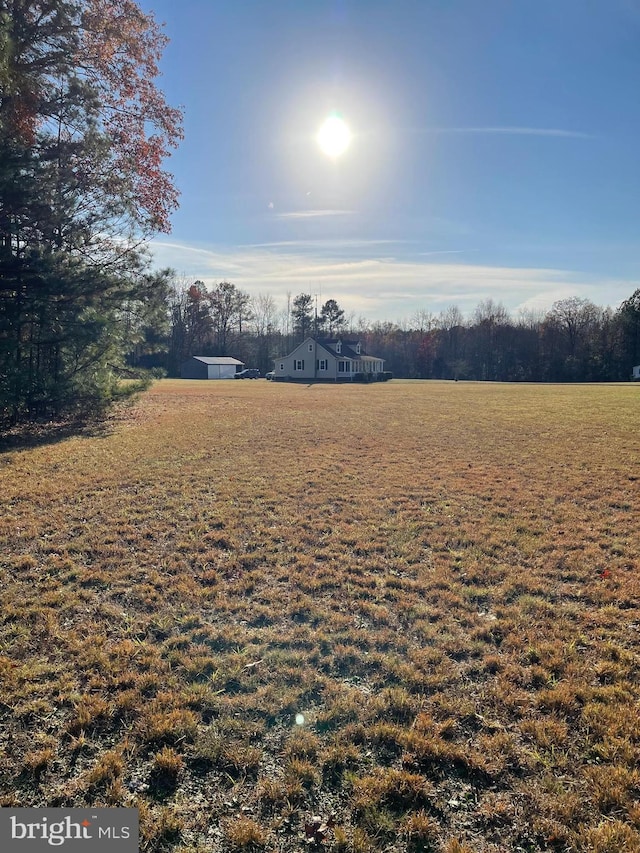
(628, 322)
(83, 132)
(302, 314)
(332, 317)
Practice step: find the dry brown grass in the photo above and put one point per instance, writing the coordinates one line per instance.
(442, 579)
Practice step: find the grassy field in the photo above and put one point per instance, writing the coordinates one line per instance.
(401, 617)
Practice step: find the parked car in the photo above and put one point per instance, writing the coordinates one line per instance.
(270, 375)
(248, 373)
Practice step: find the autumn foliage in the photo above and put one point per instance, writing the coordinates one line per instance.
(84, 132)
(100, 56)
(119, 52)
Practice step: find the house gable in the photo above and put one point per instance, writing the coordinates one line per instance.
(302, 349)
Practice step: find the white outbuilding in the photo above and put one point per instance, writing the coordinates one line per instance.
(206, 367)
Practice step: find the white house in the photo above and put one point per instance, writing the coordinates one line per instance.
(329, 359)
(204, 367)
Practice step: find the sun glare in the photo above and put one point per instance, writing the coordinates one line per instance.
(334, 136)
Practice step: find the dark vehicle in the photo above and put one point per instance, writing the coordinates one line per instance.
(249, 373)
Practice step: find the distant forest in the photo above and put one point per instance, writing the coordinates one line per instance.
(575, 341)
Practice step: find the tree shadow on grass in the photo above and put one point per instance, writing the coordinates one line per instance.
(31, 435)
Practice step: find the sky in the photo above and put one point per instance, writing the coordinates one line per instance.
(494, 151)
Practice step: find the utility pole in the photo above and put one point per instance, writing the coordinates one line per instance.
(315, 321)
(288, 346)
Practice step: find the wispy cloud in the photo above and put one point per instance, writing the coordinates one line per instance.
(349, 244)
(380, 286)
(441, 252)
(515, 131)
(311, 214)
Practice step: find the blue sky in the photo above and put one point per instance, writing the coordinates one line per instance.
(495, 150)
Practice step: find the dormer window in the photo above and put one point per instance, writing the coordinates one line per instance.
(339, 347)
(358, 347)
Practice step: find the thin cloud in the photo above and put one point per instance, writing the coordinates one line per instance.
(181, 247)
(314, 245)
(515, 131)
(441, 252)
(382, 287)
(310, 214)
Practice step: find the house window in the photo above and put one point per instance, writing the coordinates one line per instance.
(282, 365)
(321, 364)
(358, 347)
(339, 347)
(298, 364)
(310, 347)
(343, 366)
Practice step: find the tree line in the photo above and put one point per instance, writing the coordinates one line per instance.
(575, 341)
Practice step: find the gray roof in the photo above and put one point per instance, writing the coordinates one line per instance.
(348, 348)
(205, 359)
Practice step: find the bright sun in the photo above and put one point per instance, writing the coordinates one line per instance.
(334, 136)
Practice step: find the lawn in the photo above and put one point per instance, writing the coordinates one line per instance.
(398, 617)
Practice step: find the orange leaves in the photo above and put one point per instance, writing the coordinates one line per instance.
(86, 67)
(19, 115)
(119, 50)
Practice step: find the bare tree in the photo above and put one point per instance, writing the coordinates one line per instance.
(569, 334)
(423, 321)
(229, 309)
(265, 323)
(574, 317)
(264, 312)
